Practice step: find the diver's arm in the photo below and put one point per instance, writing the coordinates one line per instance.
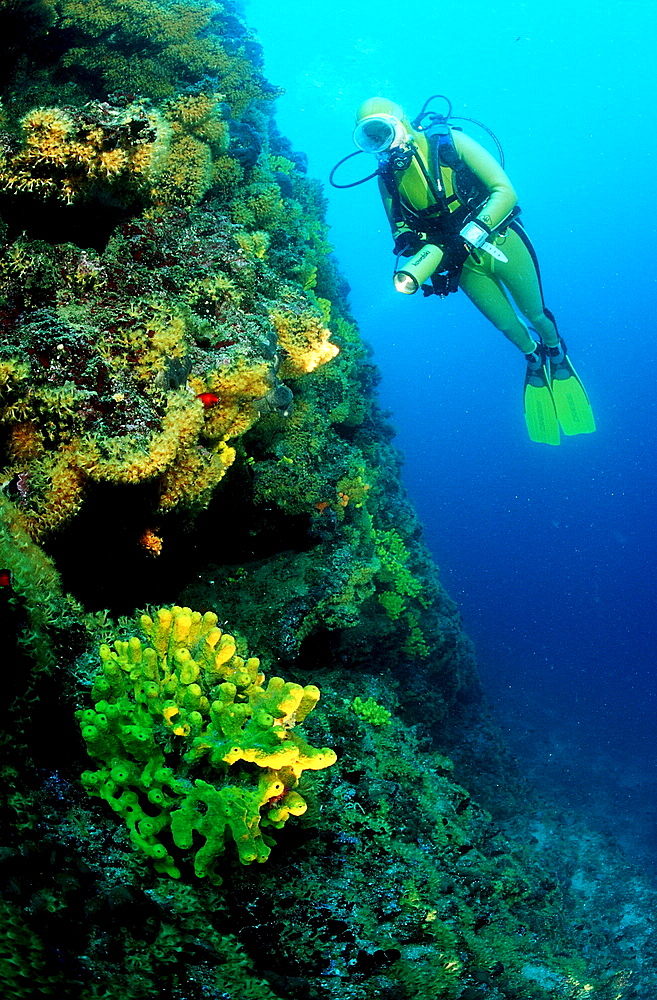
(405, 239)
(503, 198)
(386, 198)
(397, 225)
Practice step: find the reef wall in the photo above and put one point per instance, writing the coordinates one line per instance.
(199, 491)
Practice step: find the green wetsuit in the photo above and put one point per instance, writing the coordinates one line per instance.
(486, 281)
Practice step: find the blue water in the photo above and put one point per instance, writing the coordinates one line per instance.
(550, 552)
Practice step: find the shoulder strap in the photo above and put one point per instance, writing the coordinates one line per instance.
(469, 190)
(443, 152)
(446, 149)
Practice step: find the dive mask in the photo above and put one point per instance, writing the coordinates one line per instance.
(377, 133)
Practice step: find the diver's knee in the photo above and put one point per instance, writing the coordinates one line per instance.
(512, 330)
(539, 319)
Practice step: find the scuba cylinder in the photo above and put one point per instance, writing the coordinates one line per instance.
(417, 269)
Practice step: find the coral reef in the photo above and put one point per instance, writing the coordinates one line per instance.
(188, 419)
(139, 385)
(71, 153)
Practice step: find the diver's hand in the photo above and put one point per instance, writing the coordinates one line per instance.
(475, 233)
(407, 243)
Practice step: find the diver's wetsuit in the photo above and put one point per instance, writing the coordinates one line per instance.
(484, 279)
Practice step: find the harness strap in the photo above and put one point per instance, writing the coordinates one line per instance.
(436, 188)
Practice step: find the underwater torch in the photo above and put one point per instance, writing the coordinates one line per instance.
(417, 269)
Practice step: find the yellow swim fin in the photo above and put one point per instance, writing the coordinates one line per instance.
(569, 395)
(540, 411)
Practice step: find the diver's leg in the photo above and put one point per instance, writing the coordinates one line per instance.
(569, 400)
(490, 299)
(522, 278)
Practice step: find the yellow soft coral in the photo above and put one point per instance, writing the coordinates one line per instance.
(261, 207)
(124, 460)
(207, 295)
(63, 494)
(187, 174)
(195, 473)
(237, 387)
(227, 175)
(253, 244)
(305, 340)
(200, 115)
(198, 135)
(68, 153)
(169, 33)
(12, 373)
(177, 438)
(148, 46)
(187, 469)
(149, 337)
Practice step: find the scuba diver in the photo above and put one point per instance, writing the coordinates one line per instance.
(454, 219)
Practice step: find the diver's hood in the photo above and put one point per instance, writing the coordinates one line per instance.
(382, 106)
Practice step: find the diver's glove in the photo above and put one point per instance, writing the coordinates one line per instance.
(477, 236)
(407, 243)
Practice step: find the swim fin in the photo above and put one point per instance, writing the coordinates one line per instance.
(540, 411)
(569, 395)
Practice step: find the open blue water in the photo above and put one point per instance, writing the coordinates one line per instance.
(550, 552)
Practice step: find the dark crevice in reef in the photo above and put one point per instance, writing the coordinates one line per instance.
(112, 519)
(88, 225)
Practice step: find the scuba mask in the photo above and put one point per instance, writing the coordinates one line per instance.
(382, 130)
(378, 133)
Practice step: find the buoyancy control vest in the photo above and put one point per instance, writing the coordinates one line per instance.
(430, 190)
(437, 176)
(433, 192)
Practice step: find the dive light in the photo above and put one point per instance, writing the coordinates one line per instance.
(417, 269)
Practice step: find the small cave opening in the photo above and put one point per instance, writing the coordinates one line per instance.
(87, 224)
(320, 650)
(105, 564)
